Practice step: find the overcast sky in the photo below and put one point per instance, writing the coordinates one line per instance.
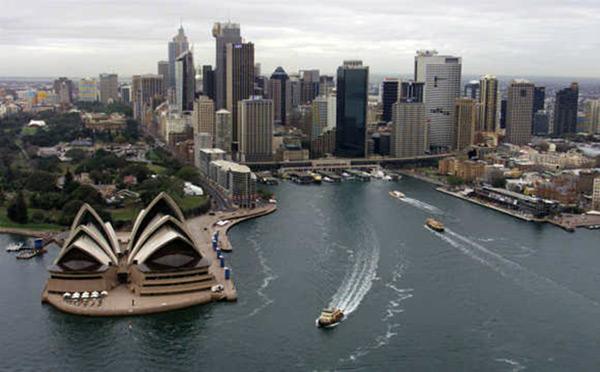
(502, 37)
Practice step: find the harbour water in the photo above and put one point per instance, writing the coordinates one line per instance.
(492, 293)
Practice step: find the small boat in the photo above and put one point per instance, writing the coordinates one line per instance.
(387, 178)
(14, 247)
(327, 179)
(397, 194)
(434, 225)
(330, 318)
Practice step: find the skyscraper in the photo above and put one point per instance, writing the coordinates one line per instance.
(351, 106)
(441, 75)
(88, 90)
(565, 110)
(223, 130)
(409, 122)
(203, 117)
(146, 93)
(255, 129)
(389, 96)
(465, 121)
(280, 94)
(473, 89)
(539, 97)
(224, 33)
(63, 88)
(177, 46)
(208, 81)
(310, 85)
(109, 88)
(185, 81)
(519, 108)
(488, 104)
(319, 116)
(592, 114)
(326, 84)
(240, 77)
(163, 69)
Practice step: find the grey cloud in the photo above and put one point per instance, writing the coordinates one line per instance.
(517, 37)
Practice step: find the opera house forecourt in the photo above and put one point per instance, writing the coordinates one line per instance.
(159, 266)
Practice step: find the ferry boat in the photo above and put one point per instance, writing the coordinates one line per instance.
(14, 247)
(434, 225)
(330, 318)
(397, 194)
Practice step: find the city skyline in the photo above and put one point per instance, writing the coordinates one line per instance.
(491, 38)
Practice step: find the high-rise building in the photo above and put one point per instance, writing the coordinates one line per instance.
(519, 108)
(88, 90)
(177, 46)
(351, 106)
(208, 81)
(255, 129)
(409, 122)
(185, 81)
(473, 89)
(125, 93)
(389, 96)
(223, 130)
(240, 78)
(310, 86)
(326, 84)
(319, 116)
(539, 98)
(441, 75)
(109, 88)
(332, 110)
(63, 88)
(295, 92)
(488, 104)
(565, 110)
(503, 113)
(280, 94)
(592, 114)
(203, 117)
(465, 121)
(224, 33)
(596, 194)
(541, 123)
(146, 93)
(163, 69)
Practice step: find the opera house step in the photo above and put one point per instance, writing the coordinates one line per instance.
(174, 281)
(177, 289)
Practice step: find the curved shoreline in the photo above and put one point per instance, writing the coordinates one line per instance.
(27, 231)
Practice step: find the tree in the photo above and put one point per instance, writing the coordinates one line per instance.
(17, 209)
(41, 181)
(70, 184)
(87, 194)
(188, 173)
(455, 181)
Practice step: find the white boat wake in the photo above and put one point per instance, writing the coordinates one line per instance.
(359, 279)
(392, 309)
(422, 205)
(522, 276)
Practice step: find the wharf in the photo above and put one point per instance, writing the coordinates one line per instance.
(522, 216)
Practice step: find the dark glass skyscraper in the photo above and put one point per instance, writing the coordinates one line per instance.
(279, 94)
(389, 96)
(208, 81)
(351, 119)
(565, 111)
(539, 96)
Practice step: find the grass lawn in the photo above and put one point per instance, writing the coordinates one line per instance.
(156, 169)
(190, 202)
(5, 222)
(126, 214)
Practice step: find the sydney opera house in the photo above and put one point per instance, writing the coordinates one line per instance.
(160, 265)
